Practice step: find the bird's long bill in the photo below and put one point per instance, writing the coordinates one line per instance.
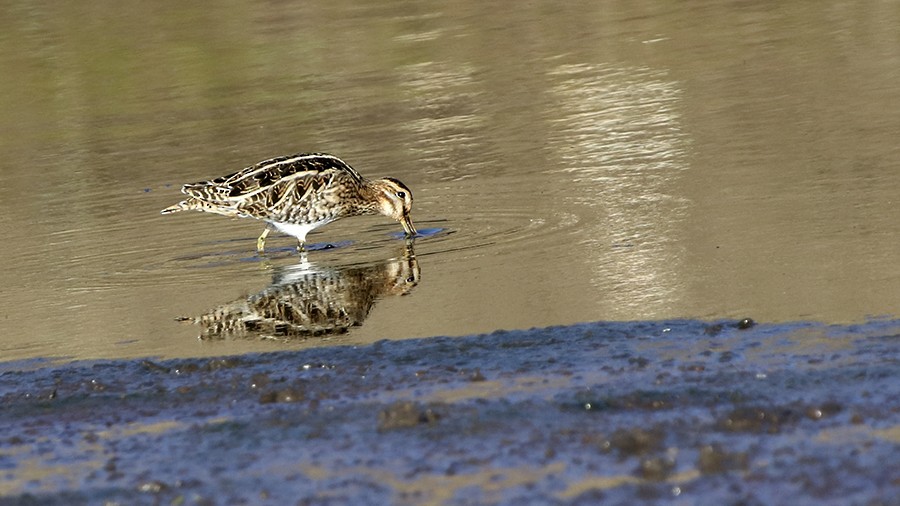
(408, 227)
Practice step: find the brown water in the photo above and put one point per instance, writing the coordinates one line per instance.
(570, 162)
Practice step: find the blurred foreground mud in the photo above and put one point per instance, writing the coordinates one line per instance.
(680, 412)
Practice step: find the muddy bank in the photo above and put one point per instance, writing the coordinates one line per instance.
(681, 412)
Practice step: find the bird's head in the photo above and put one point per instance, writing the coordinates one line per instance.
(395, 200)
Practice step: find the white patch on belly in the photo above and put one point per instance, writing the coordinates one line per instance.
(297, 230)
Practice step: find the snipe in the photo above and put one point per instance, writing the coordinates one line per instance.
(298, 193)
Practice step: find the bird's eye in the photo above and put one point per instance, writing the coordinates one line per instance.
(402, 195)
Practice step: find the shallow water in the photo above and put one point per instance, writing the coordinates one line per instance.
(570, 163)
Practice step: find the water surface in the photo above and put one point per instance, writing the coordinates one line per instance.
(576, 162)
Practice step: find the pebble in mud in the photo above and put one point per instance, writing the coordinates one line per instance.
(715, 329)
(404, 415)
(152, 487)
(643, 399)
(630, 442)
(476, 376)
(825, 410)
(656, 468)
(259, 380)
(746, 323)
(283, 395)
(758, 419)
(713, 459)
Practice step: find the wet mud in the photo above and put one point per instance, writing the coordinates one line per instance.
(680, 412)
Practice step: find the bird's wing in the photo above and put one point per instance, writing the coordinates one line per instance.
(305, 169)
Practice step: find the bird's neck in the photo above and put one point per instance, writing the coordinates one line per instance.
(370, 191)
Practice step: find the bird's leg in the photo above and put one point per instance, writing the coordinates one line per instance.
(408, 249)
(261, 242)
(304, 258)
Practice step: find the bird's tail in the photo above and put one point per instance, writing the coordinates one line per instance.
(192, 204)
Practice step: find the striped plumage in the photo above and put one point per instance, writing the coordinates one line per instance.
(298, 193)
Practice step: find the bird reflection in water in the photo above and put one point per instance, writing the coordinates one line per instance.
(307, 300)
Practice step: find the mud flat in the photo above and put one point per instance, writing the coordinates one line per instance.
(679, 412)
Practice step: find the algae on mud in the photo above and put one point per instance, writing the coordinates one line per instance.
(688, 411)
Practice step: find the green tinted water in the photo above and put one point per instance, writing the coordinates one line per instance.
(575, 162)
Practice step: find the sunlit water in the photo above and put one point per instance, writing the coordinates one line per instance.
(570, 162)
